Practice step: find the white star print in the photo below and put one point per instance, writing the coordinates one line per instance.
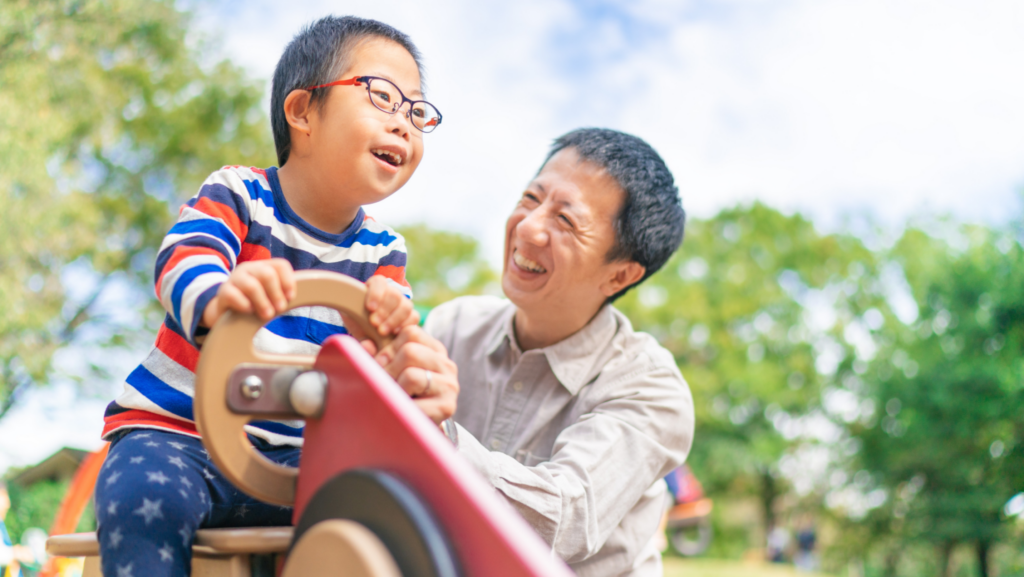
(143, 435)
(165, 553)
(136, 460)
(125, 571)
(152, 444)
(150, 510)
(177, 462)
(205, 452)
(176, 445)
(183, 492)
(208, 474)
(184, 481)
(157, 477)
(186, 535)
(113, 478)
(115, 538)
(241, 510)
(112, 508)
(111, 459)
(202, 497)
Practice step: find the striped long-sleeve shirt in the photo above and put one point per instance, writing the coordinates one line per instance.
(240, 214)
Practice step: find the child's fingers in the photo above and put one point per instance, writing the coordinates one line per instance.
(230, 297)
(253, 289)
(376, 289)
(270, 278)
(287, 275)
(391, 302)
(403, 315)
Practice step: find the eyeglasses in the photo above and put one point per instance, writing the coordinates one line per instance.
(389, 98)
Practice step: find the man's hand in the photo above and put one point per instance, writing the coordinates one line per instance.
(390, 311)
(263, 287)
(421, 366)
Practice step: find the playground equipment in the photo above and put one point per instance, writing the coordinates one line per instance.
(381, 492)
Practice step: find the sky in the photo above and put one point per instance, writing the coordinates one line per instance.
(836, 109)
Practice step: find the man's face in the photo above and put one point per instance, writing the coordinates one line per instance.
(348, 133)
(558, 238)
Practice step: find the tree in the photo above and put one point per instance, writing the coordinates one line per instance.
(755, 307)
(444, 265)
(110, 121)
(948, 448)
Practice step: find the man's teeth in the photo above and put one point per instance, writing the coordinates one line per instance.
(396, 159)
(527, 264)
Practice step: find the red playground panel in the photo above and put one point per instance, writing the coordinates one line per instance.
(370, 423)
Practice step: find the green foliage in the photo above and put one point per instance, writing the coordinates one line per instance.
(948, 447)
(731, 306)
(37, 505)
(444, 265)
(109, 122)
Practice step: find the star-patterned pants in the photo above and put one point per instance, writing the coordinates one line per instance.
(157, 488)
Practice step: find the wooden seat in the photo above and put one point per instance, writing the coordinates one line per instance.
(215, 553)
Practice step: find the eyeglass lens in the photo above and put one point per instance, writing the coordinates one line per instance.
(386, 96)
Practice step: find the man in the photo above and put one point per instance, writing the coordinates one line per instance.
(571, 415)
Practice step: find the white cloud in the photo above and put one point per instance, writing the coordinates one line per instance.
(822, 106)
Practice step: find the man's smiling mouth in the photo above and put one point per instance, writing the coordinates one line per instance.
(527, 264)
(389, 157)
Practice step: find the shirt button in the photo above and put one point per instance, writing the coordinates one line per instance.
(518, 386)
(495, 444)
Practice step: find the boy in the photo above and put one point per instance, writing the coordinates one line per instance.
(344, 138)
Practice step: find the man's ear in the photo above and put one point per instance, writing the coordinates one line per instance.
(297, 111)
(623, 274)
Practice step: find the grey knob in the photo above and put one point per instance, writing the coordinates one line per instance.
(252, 387)
(308, 392)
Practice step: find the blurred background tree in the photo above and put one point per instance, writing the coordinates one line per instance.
(111, 117)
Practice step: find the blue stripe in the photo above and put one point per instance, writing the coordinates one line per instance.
(186, 279)
(161, 393)
(319, 331)
(222, 195)
(289, 327)
(214, 228)
(278, 428)
(367, 237)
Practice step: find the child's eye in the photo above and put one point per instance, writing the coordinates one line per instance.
(383, 96)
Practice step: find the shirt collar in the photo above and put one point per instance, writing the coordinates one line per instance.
(572, 360)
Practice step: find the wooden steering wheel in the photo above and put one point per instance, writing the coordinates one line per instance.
(228, 353)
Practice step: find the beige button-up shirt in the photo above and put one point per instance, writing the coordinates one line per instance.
(576, 436)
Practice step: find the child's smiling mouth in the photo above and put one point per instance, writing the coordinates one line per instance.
(389, 156)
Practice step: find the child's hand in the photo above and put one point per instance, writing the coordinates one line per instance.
(389, 310)
(260, 286)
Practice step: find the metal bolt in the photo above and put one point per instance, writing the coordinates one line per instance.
(252, 387)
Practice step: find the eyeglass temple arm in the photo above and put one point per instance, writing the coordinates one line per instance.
(357, 81)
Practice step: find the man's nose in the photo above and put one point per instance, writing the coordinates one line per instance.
(532, 228)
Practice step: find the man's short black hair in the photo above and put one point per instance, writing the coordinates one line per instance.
(318, 54)
(649, 227)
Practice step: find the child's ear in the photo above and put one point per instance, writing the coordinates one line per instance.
(297, 110)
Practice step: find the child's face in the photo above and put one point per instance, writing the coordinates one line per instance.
(348, 129)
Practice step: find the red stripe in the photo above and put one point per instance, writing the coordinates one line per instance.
(223, 212)
(395, 273)
(181, 252)
(144, 419)
(253, 252)
(259, 171)
(178, 349)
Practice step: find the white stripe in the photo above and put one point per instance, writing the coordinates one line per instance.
(172, 276)
(192, 292)
(295, 238)
(273, 438)
(170, 372)
(268, 342)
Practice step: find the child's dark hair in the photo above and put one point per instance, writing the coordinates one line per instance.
(649, 227)
(318, 54)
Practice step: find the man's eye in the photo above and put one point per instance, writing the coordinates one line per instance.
(566, 220)
(529, 196)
